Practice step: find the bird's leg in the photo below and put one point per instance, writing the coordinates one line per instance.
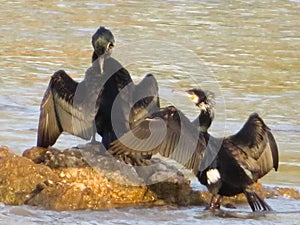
(215, 202)
(218, 202)
(93, 141)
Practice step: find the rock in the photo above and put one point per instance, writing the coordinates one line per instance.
(85, 188)
(93, 179)
(86, 156)
(101, 181)
(281, 191)
(36, 154)
(19, 176)
(55, 158)
(89, 178)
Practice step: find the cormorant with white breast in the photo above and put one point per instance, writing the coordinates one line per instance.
(84, 108)
(227, 166)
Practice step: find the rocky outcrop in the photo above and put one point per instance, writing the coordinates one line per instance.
(19, 177)
(88, 178)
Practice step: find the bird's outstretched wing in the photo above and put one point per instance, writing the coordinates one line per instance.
(254, 147)
(145, 100)
(167, 132)
(58, 114)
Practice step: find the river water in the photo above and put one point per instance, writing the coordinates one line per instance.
(247, 52)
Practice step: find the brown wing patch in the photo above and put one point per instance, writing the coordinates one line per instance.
(169, 133)
(58, 113)
(49, 128)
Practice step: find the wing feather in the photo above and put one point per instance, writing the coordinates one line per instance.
(49, 127)
(274, 149)
(58, 113)
(145, 99)
(254, 147)
(167, 132)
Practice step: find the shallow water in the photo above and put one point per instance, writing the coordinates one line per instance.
(247, 52)
(158, 215)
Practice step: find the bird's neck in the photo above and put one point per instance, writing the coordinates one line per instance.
(101, 63)
(98, 62)
(205, 119)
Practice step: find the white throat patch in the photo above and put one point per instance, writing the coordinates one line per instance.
(213, 176)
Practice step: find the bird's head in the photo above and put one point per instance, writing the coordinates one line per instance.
(103, 42)
(203, 99)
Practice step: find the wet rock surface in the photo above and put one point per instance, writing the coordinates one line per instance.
(89, 178)
(19, 176)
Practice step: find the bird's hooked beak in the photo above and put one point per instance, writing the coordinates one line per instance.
(192, 96)
(184, 93)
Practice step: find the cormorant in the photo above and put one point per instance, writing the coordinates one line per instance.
(170, 133)
(227, 166)
(84, 108)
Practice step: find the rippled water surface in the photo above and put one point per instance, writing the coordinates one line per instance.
(247, 52)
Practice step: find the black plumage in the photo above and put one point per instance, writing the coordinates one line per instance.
(166, 132)
(227, 166)
(170, 133)
(242, 159)
(84, 108)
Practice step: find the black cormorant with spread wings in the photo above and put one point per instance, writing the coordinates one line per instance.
(106, 101)
(227, 166)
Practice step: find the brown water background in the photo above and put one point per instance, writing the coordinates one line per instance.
(247, 52)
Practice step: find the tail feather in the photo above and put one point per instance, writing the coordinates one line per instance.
(256, 203)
